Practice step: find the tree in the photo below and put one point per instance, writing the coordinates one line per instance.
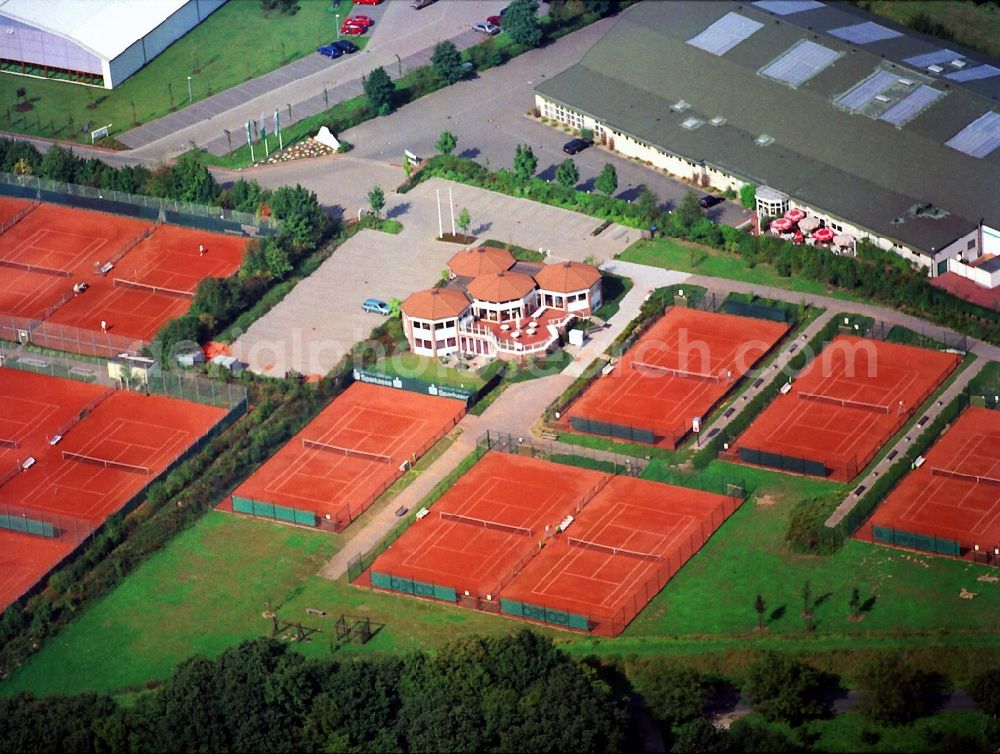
(607, 181)
(407, 165)
(276, 259)
(758, 739)
(447, 62)
(896, 693)
(193, 182)
(855, 604)
(688, 213)
(379, 90)
(786, 690)
(647, 204)
(464, 220)
(699, 736)
(984, 688)
(675, 695)
(748, 196)
(58, 164)
(376, 200)
(283, 7)
(302, 216)
(446, 143)
(761, 607)
(521, 23)
(525, 163)
(567, 174)
(806, 597)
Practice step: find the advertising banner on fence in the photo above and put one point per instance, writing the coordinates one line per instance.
(415, 386)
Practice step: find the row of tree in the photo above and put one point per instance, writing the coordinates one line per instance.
(516, 693)
(187, 180)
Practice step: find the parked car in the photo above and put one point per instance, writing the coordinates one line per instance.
(346, 45)
(710, 200)
(353, 29)
(486, 28)
(331, 50)
(367, 2)
(418, 4)
(495, 20)
(576, 145)
(359, 21)
(374, 306)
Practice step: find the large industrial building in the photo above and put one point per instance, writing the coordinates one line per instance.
(92, 42)
(877, 131)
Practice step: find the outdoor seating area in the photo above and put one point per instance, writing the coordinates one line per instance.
(799, 228)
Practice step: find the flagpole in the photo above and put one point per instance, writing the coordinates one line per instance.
(277, 127)
(250, 141)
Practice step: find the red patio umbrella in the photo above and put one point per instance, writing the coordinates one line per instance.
(794, 215)
(799, 238)
(823, 235)
(782, 225)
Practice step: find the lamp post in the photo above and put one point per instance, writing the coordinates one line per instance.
(189, 90)
(338, 26)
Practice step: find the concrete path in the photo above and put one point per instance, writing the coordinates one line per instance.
(759, 380)
(902, 445)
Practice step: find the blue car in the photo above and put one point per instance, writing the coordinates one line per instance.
(374, 306)
(330, 50)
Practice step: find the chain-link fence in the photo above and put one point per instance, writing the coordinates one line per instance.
(135, 205)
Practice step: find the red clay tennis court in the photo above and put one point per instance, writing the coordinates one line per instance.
(845, 405)
(64, 242)
(111, 445)
(487, 526)
(616, 556)
(332, 470)
(11, 208)
(176, 259)
(679, 370)
(952, 501)
(128, 313)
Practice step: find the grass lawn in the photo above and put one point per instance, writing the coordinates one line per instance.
(714, 592)
(204, 592)
(214, 54)
(614, 288)
(973, 25)
(519, 253)
(702, 260)
(429, 370)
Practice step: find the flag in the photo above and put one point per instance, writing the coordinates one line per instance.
(277, 122)
(263, 127)
(249, 138)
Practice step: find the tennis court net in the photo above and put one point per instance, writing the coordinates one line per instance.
(846, 403)
(34, 268)
(672, 372)
(69, 455)
(340, 450)
(484, 524)
(610, 550)
(135, 285)
(4, 443)
(936, 471)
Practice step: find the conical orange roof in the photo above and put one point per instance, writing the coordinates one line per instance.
(484, 260)
(501, 286)
(567, 277)
(436, 303)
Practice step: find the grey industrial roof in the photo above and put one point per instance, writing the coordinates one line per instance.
(861, 169)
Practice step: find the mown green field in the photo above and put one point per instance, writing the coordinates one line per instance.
(235, 44)
(714, 593)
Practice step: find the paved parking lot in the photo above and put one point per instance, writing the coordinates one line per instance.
(487, 114)
(321, 318)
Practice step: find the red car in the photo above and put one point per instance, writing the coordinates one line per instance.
(495, 20)
(358, 21)
(367, 2)
(353, 29)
